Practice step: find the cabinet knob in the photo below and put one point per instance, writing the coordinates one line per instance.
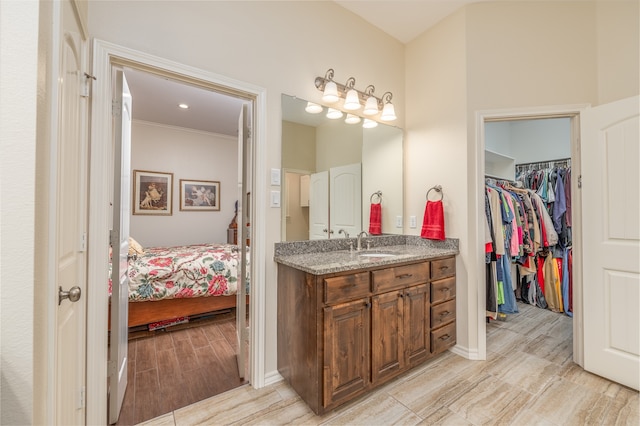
(367, 305)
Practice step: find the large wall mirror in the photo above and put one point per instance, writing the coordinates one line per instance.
(331, 172)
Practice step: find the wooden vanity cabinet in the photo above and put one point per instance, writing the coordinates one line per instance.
(443, 304)
(342, 334)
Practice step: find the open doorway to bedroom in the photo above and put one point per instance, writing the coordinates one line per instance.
(184, 262)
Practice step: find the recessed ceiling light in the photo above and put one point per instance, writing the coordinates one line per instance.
(183, 106)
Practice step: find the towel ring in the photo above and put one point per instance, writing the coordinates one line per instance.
(437, 188)
(376, 194)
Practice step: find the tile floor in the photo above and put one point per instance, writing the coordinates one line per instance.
(529, 378)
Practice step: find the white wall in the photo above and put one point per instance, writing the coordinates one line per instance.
(529, 141)
(18, 84)
(190, 155)
(268, 44)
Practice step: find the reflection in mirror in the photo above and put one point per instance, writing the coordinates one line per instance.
(331, 171)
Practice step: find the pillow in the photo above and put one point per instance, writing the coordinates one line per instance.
(135, 247)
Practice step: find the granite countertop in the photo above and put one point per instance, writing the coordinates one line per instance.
(320, 257)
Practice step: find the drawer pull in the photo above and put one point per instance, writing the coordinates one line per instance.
(445, 337)
(444, 268)
(444, 314)
(404, 276)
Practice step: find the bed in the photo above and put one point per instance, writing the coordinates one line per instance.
(171, 284)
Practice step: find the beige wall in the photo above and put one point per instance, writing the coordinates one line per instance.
(298, 146)
(618, 47)
(190, 155)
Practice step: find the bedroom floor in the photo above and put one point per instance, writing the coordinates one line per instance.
(529, 378)
(174, 369)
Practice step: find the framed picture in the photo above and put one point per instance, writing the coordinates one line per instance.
(199, 195)
(152, 193)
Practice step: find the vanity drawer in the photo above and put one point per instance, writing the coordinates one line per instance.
(443, 338)
(400, 276)
(443, 313)
(337, 289)
(443, 268)
(442, 290)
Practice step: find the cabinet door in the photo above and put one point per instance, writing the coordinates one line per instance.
(346, 350)
(416, 323)
(387, 336)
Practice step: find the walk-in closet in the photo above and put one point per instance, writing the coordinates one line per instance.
(528, 207)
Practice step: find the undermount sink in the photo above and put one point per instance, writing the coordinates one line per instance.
(375, 254)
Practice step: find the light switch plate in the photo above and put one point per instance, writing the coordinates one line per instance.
(412, 222)
(275, 198)
(398, 221)
(275, 177)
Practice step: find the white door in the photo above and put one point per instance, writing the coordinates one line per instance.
(319, 206)
(611, 233)
(70, 176)
(242, 332)
(119, 240)
(345, 199)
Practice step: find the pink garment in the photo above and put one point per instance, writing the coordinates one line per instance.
(514, 247)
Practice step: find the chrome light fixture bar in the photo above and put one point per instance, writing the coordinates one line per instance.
(354, 99)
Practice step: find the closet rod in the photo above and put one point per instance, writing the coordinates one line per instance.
(559, 160)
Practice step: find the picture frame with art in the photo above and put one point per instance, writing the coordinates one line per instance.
(199, 195)
(152, 193)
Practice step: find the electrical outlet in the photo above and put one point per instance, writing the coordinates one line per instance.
(398, 221)
(412, 222)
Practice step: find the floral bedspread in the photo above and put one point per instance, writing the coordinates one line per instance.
(184, 271)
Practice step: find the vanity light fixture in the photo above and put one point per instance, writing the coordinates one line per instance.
(352, 119)
(312, 108)
(369, 123)
(333, 113)
(183, 106)
(354, 98)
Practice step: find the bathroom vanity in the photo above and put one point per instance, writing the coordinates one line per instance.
(349, 321)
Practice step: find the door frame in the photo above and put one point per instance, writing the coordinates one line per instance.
(567, 111)
(106, 56)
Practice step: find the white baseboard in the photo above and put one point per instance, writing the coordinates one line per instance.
(272, 378)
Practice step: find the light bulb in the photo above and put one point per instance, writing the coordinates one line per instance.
(369, 124)
(388, 112)
(352, 119)
(313, 108)
(352, 101)
(330, 94)
(333, 113)
(371, 106)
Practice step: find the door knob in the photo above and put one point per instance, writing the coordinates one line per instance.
(73, 294)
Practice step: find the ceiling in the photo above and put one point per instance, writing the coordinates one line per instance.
(156, 99)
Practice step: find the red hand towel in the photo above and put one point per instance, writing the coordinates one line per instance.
(375, 219)
(433, 222)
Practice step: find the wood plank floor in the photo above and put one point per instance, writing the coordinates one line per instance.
(173, 369)
(529, 378)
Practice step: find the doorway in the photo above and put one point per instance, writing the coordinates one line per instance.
(572, 114)
(106, 57)
(189, 354)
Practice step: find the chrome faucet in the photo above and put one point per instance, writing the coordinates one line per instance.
(359, 246)
(342, 231)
